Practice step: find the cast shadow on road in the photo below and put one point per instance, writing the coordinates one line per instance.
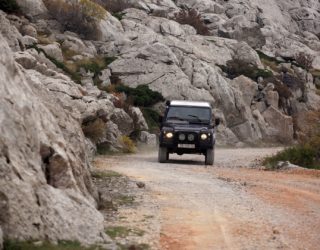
(187, 162)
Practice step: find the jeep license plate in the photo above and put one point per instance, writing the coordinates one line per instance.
(186, 146)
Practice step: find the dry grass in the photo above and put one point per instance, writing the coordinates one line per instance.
(192, 18)
(95, 130)
(128, 145)
(81, 17)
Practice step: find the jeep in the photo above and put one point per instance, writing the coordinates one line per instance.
(187, 127)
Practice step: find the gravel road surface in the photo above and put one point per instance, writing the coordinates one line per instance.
(231, 205)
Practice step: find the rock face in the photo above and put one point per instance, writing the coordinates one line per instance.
(44, 169)
(44, 155)
(1, 239)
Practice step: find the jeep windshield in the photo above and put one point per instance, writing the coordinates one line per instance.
(189, 114)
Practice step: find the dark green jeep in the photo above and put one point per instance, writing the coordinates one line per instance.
(187, 128)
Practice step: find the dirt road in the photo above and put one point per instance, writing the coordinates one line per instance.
(231, 205)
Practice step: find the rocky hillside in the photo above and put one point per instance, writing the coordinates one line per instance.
(63, 90)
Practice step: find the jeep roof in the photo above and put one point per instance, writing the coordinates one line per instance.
(190, 103)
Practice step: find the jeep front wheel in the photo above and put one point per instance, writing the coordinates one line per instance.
(209, 160)
(163, 154)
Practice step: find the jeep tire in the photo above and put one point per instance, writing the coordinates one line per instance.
(209, 157)
(163, 154)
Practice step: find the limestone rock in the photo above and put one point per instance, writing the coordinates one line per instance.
(138, 120)
(119, 116)
(53, 50)
(10, 33)
(1, 239)
(29, 41)
(272, 98)
(43, 155)
(113, 136)
(33, 8)
(29, 30)
(280, 126)
(147, 138)
(248, 88)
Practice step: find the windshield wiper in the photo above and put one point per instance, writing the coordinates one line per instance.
(175, 118)
(195, 116)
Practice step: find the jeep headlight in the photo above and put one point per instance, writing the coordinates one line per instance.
(204, 137)
(169, 135)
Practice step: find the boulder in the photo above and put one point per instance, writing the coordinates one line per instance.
(123, 120)
(33, 8)
(147, 138)
(29, 30)
(138, 120)
(53, 50)
(29, 41)
(272, 99)
(10, 33)
(113, 137)
(248, 88)
(70, 41)
(280, 126)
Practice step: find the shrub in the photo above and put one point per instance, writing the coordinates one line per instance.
(81, 17)
(152, 118)
(304, 60)
(60, 245)
(115, 6)
(9, 6)
(238, 67)
(141, 95)
(128, 145)
(192, 18)
(94, 130)
(307, 152)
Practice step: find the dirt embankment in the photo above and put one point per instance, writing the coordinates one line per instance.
(233, 205)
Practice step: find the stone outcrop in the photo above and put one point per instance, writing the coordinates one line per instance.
(44, 155)
(43, 161)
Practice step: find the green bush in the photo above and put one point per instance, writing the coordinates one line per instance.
(62, 245)
(307, 152)
(141, 96)
(302, 155)
(238, 67)
(152, 118)
(9, 6)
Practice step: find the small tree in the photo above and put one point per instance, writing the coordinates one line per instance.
(192, 18)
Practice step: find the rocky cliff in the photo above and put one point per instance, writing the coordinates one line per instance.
(258, 64)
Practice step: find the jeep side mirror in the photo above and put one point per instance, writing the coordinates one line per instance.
(217, 121)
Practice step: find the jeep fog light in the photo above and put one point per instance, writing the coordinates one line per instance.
(190, 137)
(204, 136)
(182, 137)
(169, 135)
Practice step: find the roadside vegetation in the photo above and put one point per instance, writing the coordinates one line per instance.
(62, 245)
(9, 6)
(193, 18)
(116, 7)
(142, 97)
(82, 17)
(307, 152)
